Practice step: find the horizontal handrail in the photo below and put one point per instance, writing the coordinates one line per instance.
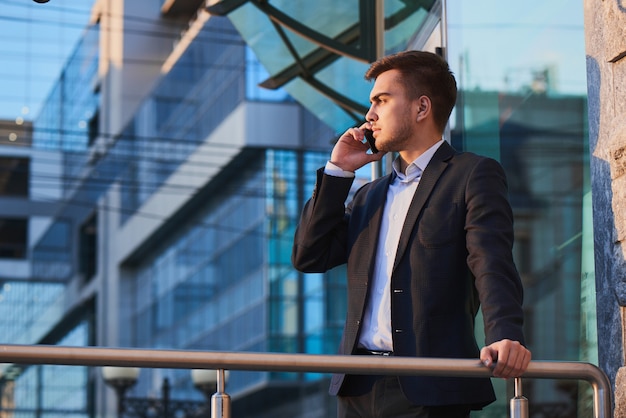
(253, 361)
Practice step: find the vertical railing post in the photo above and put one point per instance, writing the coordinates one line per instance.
(519, 404)
(220, 401)
(165, 397)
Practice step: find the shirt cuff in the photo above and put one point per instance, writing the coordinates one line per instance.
(332, 170)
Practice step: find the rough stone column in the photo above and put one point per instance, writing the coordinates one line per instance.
(605, 35)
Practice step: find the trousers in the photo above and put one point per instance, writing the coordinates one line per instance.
(386, 400)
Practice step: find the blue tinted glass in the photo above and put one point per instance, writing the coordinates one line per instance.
(520, 68)
(344, 75)
(255, 75)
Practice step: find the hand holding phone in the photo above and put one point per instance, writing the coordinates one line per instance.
(369, 136)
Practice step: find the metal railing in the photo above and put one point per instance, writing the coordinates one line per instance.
(184, 359)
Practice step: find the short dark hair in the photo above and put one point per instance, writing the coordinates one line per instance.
(423, 73)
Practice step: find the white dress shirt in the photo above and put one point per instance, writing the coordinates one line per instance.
(376, 327)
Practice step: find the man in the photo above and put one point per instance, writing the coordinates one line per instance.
(425, 246)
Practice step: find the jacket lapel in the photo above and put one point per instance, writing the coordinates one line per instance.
(433, 171)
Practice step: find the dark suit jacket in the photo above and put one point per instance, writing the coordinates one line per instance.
(454, 254)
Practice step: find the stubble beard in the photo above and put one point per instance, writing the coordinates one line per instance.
(396, 141)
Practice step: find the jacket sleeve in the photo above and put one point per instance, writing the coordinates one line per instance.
(320, 241)
(489, 235)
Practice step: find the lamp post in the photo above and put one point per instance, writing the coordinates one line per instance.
(204, 380)
(122, 378)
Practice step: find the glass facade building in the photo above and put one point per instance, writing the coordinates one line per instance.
(177, 233)
(224, 281)
(521, 74)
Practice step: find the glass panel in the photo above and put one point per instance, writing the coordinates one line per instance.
(521, 75)
(63, 391)
(343, 75)
(260, 34)
(52, 255)
(64, 124)
(255, 75)
(315, 14)
(28, 310)
(38, 41)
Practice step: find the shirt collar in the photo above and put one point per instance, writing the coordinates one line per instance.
(415, 169)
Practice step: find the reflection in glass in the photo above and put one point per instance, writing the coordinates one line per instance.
(521, 75)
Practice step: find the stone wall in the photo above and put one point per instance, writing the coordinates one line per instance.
(605, 35)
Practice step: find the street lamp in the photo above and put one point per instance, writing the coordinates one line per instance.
(204, 380)
(122, 378)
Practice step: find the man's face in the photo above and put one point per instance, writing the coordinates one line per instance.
(392, 114)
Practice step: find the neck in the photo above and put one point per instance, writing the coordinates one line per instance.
(410, 155)
(403, 163)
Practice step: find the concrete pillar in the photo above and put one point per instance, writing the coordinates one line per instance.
(605, 35)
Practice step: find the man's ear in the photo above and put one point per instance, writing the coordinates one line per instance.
(423, 107)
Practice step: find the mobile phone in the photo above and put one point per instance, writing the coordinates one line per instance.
(369, 136)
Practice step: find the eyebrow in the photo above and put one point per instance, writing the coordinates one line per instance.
(378, 96)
